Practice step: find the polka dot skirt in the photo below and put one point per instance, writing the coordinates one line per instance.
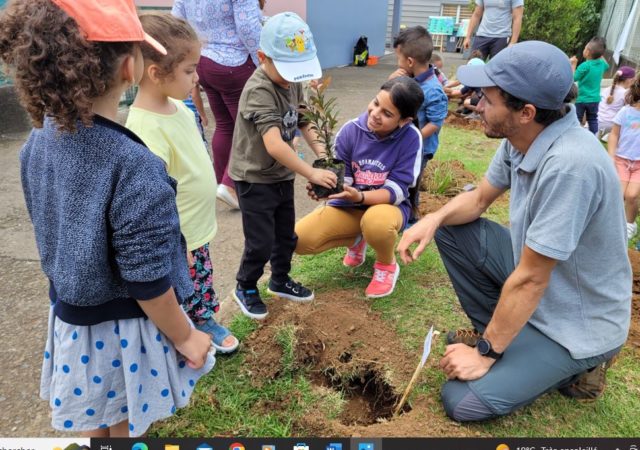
(100, 375)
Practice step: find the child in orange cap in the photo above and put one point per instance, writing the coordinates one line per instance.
(120, 352)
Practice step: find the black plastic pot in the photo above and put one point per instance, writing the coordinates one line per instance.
(334, 165)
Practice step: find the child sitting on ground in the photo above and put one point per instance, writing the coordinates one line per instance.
(453, 84)
(588, 76)
(438, 63)
(263, 163)
(169, 129)
(469, 97)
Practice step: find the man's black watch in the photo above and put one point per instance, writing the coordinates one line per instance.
(485, 349)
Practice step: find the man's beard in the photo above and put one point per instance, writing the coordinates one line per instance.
(499, 130)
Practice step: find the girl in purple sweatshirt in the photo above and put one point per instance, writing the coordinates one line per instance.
(382, 150)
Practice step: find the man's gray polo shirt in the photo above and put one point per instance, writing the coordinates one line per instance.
(566, 204)
(497, 17)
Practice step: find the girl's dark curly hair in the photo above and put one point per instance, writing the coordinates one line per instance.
(176, 35)
(57, 72)
(633, 94)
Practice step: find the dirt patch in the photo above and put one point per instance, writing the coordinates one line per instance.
(442, 180)
(341, 345)
(447, 178)
(431, 202)
(462, 122)
(634, 331)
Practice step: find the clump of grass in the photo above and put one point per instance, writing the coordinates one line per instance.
(440, 179)
(287, 340)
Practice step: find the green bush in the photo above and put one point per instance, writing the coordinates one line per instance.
(567, 24)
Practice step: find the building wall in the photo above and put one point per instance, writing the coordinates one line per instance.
(417, 12)
(337, 25)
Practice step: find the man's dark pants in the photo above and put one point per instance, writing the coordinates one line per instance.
(479, 258)
(489, 46)
(268, 221)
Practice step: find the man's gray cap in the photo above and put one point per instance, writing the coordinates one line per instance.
(534, 71)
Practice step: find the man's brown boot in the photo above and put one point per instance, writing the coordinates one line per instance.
(464, 336)
(590, 385)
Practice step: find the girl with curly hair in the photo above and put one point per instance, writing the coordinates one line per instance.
(120, 352)
(168, 128)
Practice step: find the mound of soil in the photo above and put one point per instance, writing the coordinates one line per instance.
(634, 332)
(447, 178)
(431, 202)
(460, 178)
(342, 345)
(462, 122)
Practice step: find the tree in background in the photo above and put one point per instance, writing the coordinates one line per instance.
(567, 24)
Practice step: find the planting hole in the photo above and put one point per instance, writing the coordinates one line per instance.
(369, 397)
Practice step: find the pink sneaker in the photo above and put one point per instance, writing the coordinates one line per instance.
(384, 280)
(356, 254)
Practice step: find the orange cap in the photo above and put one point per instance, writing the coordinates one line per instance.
(108, 21)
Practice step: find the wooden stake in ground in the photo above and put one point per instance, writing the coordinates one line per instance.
(425, 354)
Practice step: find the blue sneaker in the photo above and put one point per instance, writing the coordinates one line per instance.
(291, 290)
(250, 303)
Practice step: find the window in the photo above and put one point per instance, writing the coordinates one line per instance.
(458, 11)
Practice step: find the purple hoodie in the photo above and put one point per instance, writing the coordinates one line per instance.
(391, 163)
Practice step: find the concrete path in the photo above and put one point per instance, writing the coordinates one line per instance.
(23, 288)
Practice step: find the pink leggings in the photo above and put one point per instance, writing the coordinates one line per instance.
(223, 86)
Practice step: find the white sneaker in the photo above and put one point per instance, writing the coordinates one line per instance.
(632, 229)
(224, 194)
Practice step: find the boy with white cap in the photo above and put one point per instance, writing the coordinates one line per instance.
(263, 163)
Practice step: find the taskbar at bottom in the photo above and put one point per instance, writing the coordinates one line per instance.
(311, 443)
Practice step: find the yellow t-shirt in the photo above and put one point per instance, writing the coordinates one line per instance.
(175, 138)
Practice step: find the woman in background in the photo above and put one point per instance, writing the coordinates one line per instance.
(231, 33)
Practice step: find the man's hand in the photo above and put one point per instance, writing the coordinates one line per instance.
(324, 178)
(464, 363)
(421, 232)
(467, 43)
(399, 73)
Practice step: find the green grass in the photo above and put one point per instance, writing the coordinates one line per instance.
(471, 147)
(227, 403)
